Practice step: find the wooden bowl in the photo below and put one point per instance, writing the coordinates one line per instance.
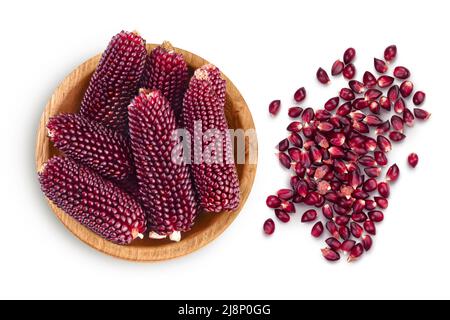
(67, 98)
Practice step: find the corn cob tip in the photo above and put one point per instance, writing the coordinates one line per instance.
(156, 236)
(149, 93)
(204, 72)
(136, 234)
(201, 74)
(144, 91)
(168, 46)
(209, 67)
(42, 168)
(175, 236)
(50, 133)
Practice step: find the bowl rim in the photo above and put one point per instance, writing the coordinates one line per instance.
(166, 251)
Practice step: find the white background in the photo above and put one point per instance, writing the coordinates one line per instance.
(268, 50)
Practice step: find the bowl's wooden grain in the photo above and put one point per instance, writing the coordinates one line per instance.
(67, 98)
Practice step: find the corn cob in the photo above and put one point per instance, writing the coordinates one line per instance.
(115, 81)
(93, 201)
(165, 187)
(105, 151)
(216, 181)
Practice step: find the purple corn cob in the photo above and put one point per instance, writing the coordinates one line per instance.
(105, 151)
(216, 181)
(167, 72)
(115, 81)
(165, 187)
(93, 201)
